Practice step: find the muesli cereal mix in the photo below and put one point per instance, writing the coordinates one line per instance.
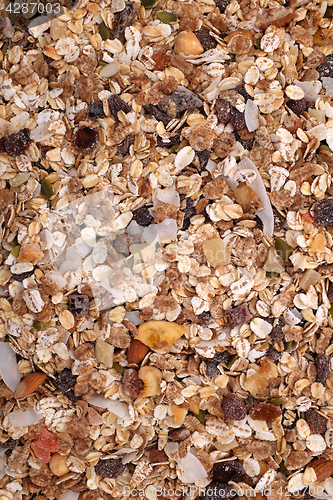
(166, 213)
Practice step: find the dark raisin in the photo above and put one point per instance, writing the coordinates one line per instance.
(251, 402)
(316, 422)
(298, 107)
(10, 443)
(85, 139)
(222, 4)
(169, 143)
(205, 38)
(2, 145)
(96, 110)
(78, 304)
(241, 90)
(157, 113)
(123, 147)
(116, 104)
(212, 369)
(218, 491)
(204, 318)
(65, 380)
(182, 100)
(72, 396)
(110, 468)
(223, 110)
(324, 212)
(277, 333)
(142, 216)
(231, 470)
(124, 19)
(237, 119)
(238, 315)
(17, 143)
(323, 368)
(179, 434)
(222, 357)
(233, 407)
(246, 143)
(131, 383)
(203, 158)
(22, 276)
(8, 452)
(326, 68)
(279, 221)
(273, 354)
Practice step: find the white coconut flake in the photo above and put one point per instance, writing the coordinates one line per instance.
(251, 115)
(24, 418)
(311, 89)
(266, 214)
(8, 366)
(191, 469)
(116, 407)
(184, 157)
(328, 85)
(69, 495)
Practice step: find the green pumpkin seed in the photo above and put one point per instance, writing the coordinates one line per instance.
(283, 249)
(101, 63)
(257, 42)
(47, 190)
(173, 148)
(283, 469)
(120, 369)
(330, 311)
(287, 346)
(4, 48)
(167, 17)
(276, 401)
(19, 179)
(104, 31)
(16, 250)
(272, 274)
(200, 416)
(41, 327)
(232, 360)
(323, 147)
(149, 4)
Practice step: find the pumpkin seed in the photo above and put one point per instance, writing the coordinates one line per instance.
(4, 48)
(47, 190)
(276, 401)
(104, 31)
(38, 325)
(173, 148)
(120, 369)
(101, 63)
(149, 4)
(167, 17)
(323, 147)
(200, 416)
(19, 179)
(110, 69)
(232, 360)
(283, 249)
(16, 250)
(257, 42)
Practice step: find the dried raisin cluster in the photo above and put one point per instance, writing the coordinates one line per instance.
(231, 470)
(233, 407)
(109, 468)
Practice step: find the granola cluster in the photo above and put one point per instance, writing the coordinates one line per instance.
(166, 214)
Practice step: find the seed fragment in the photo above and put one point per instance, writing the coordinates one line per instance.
(167, 17)
(19, 179)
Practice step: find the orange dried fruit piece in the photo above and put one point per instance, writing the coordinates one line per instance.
(159, 334)
(30, 252)
(45, 444)
(258, 384)
(216, 252)
(265, 411)
(151, 378)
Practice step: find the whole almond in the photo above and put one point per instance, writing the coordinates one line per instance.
(29, 385)
(323, 468)
(136, 351)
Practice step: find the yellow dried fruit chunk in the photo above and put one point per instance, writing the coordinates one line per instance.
(152, 378)
(258, 384)
(216, 252)
(159, 334)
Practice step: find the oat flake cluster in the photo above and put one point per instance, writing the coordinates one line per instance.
(206, 362)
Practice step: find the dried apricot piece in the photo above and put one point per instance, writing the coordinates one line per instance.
(45, 444)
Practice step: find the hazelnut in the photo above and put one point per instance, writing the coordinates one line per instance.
(58, 465)
(188, 44)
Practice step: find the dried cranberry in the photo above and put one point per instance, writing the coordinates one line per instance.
(326, 68)
(17, 143)
(316, 422)
(205, 38)
(233, 407)
(298, 107)
(123, 147)
(157, 113)
(65, 380)
(142, 216)
(78, 304)
(223, 110)
(45, 444)
(323, 368)
(85, 139)
(273, 354)
(109, 468)
(218, 491)
(232, 470)
(238, 315)
(237, 119)
(324, 212)
(116, 104)
(96, 110)
(203, 158)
